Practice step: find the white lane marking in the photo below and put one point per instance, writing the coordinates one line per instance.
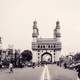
(45, 74)
(78, 78)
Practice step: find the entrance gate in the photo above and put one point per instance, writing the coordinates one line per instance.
(46, 58)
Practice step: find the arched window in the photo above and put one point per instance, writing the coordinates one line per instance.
(38, 57)
(43, 46)
(38, 46)
(51, 46)
(38, 53)
(48, 46)
(54, 45)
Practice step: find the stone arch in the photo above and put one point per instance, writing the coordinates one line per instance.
(48, 57)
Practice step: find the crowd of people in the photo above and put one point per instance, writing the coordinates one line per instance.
(10, 67)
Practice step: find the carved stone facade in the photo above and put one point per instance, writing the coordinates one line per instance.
(48, 48)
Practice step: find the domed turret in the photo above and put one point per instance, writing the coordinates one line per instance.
(35, 31)
(57, 25)
(57, 34)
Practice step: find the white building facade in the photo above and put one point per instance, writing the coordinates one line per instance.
(46, 49)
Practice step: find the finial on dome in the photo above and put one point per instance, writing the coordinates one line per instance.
(57, 22)
(35, 22)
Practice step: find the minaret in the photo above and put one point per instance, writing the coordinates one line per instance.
(57, 34)
(57, 48)
(35, 36)
(35, 31)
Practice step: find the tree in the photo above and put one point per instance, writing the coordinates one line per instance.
(26, 55)
(77, 57)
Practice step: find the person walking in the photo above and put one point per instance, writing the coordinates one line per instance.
(65, 65)
(1, 66)
(11, 68)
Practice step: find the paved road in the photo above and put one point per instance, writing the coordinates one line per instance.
(57, 73)
(51, 71)
(22, 74)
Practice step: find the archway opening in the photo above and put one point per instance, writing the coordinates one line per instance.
(46, 58)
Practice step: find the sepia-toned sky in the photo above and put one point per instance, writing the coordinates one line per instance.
(17, 16)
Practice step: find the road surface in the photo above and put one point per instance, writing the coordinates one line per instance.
(49, 72)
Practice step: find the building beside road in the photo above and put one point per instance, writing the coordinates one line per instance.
(46, 49)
